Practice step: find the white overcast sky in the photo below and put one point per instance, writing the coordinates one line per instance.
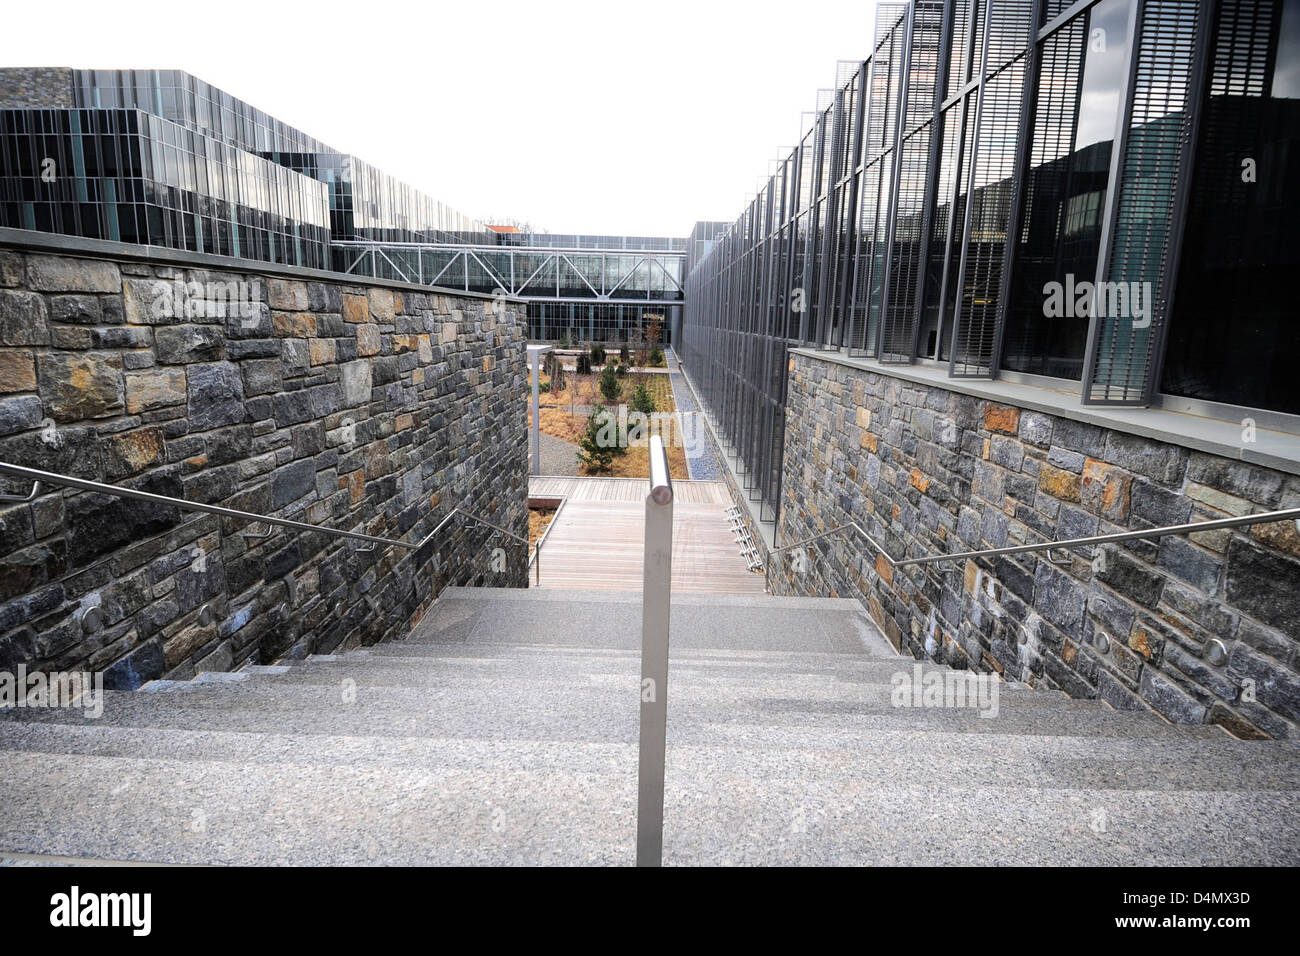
(599, 117)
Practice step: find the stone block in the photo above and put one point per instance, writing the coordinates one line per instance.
(1001, 418)
(77, 309)
(130, 453)
(381, 305)
(149, 301)
(1060, 484)
(1170, 699)
(301, 325)
(133, 670)
(17, 370)
(1237, 478)
(77, 386)
(262, 376)
(214, 395)
(356, 308)
(1036, 429)
(287, 295)
(154, 388)
(11, 269)
(1156, 460)
(1129, 577)
(184, 344)
(24, 318)
(1159, 506)
(1264, 584)
(292, 482)
(368, 340)
(67, 274)
(1106, 490)
(99, 524)
(355, 381)
(322, 351)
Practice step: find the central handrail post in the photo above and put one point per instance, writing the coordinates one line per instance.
(656, 599)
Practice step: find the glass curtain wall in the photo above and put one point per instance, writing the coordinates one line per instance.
(1005, 187)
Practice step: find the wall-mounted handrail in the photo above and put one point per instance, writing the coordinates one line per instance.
(30, 496)
(1192, 527)
(84, 484)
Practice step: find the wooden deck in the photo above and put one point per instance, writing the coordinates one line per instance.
(598, 538)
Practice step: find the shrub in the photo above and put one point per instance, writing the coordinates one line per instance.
(597, 354)
(584, 364)
(625, 354)
(609, 386)
(657, 359)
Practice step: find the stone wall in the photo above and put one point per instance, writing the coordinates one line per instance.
(36, 87)
(373, 408)
(925, 470)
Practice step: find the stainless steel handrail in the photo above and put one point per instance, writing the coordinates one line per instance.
(54, 478)
(656, 607)
(1067, 543)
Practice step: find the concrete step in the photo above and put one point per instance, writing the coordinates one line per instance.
(603, 671)
(931, 760)
(583, 714)
(597, 619)
(275, 814)
(740, 821)
(692, 696)
(263, 814)
(548, 660)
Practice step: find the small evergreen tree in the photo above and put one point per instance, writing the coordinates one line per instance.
(609, 386)
(625, 354)
(599, 443)
(597, 354)
(584, 364)
(643, 401)
(657, 359)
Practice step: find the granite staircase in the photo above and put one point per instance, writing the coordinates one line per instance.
(504, 731)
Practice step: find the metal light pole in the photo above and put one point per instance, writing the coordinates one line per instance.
(535, 361)
(656, 597)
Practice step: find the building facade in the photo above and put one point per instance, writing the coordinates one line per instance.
(1087, 196)
(159, 157)
(1019, 282)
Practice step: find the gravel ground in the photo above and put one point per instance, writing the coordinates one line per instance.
(701, 461)
(559, 457)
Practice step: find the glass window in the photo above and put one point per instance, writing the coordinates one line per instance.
(1233, 331)
(1082, 75)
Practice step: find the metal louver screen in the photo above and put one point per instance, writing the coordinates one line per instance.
(1154, 156)
(979, 298)
(899, 308)
(898, 321)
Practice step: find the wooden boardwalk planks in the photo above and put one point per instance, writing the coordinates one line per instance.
(599, 536)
